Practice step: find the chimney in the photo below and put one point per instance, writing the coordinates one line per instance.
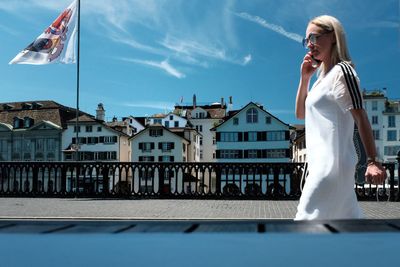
(230, 106)
(222, 102)
(194, 101)
(100, 112)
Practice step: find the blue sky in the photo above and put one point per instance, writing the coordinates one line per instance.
(140, 57)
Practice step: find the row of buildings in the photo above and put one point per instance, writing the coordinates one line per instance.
(47, 131)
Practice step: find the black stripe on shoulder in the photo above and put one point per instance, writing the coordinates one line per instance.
(352, 85)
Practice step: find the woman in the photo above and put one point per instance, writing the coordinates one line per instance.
(330, 109)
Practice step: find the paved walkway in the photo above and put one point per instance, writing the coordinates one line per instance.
(54, 208)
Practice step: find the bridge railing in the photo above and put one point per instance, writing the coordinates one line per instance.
(168, 180)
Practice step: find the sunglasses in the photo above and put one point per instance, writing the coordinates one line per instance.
(312, 38)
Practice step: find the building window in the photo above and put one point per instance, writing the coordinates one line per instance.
(104, 155)
(26, 145)
(28, 122)
(376, 134)
(79, 129)
(17, 122)
(171, 118)
(157, 121)
(268, 120)
(166, 146)
(252, 136)
(252, 115)
(110, 139)
(156, 132)
(201, 140)
(391, 150)
(176, 124)
(276, 153)
(89, 128)
(166, 124)
(374, 105)
(392, 135)
(99, 129)
(391, 121)
(166, 158)
(229, 136)
(374, 119)
(146, 158)
(276, 136)
(252, 154)
(229, 154)
(146, 146)
(235, 121)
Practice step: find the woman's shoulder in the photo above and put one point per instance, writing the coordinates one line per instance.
(346, 69)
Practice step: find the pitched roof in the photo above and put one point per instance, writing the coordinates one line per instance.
(46, 110)
(233, 113)
(214, 111)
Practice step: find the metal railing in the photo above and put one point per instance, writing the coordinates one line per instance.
(168, 180)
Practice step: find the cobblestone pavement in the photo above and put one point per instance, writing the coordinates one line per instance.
(46, 208)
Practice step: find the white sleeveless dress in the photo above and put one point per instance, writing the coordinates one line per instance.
(329, 189)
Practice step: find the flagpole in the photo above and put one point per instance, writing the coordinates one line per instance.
(77, 81)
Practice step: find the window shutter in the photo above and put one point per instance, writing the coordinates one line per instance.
(246, 154)
(172, 145)
(159, 145)
(287, 135)
(288, 153)
(218, 154)
(140, 145)
(101, 139)
(152, 145)
(218, 136)
(172, 158)
(160, 158)
(259, 136)
(115, 139)
(264, 153)
(259, 154)
(140, 159)
(240, 136)
(246, 136)
(264, 136)
(240, 154)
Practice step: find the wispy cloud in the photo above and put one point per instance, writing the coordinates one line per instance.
(151, 104)
(276, 28)
(247, 59)
(163, 65)
(8, 30)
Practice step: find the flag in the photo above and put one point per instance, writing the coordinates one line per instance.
(56, 43)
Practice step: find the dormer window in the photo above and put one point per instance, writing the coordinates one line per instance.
(17, 123)
(36, 105)
(7, 107)
(26, 106)
(28, 122)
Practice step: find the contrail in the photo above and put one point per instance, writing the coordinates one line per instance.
(273, 27)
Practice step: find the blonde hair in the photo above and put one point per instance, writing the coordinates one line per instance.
(340, 51)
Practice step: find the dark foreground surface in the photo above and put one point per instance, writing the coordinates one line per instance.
(198, 243)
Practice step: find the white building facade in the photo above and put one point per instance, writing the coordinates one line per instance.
(384, 116)
(97, 141)
(253, 135)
